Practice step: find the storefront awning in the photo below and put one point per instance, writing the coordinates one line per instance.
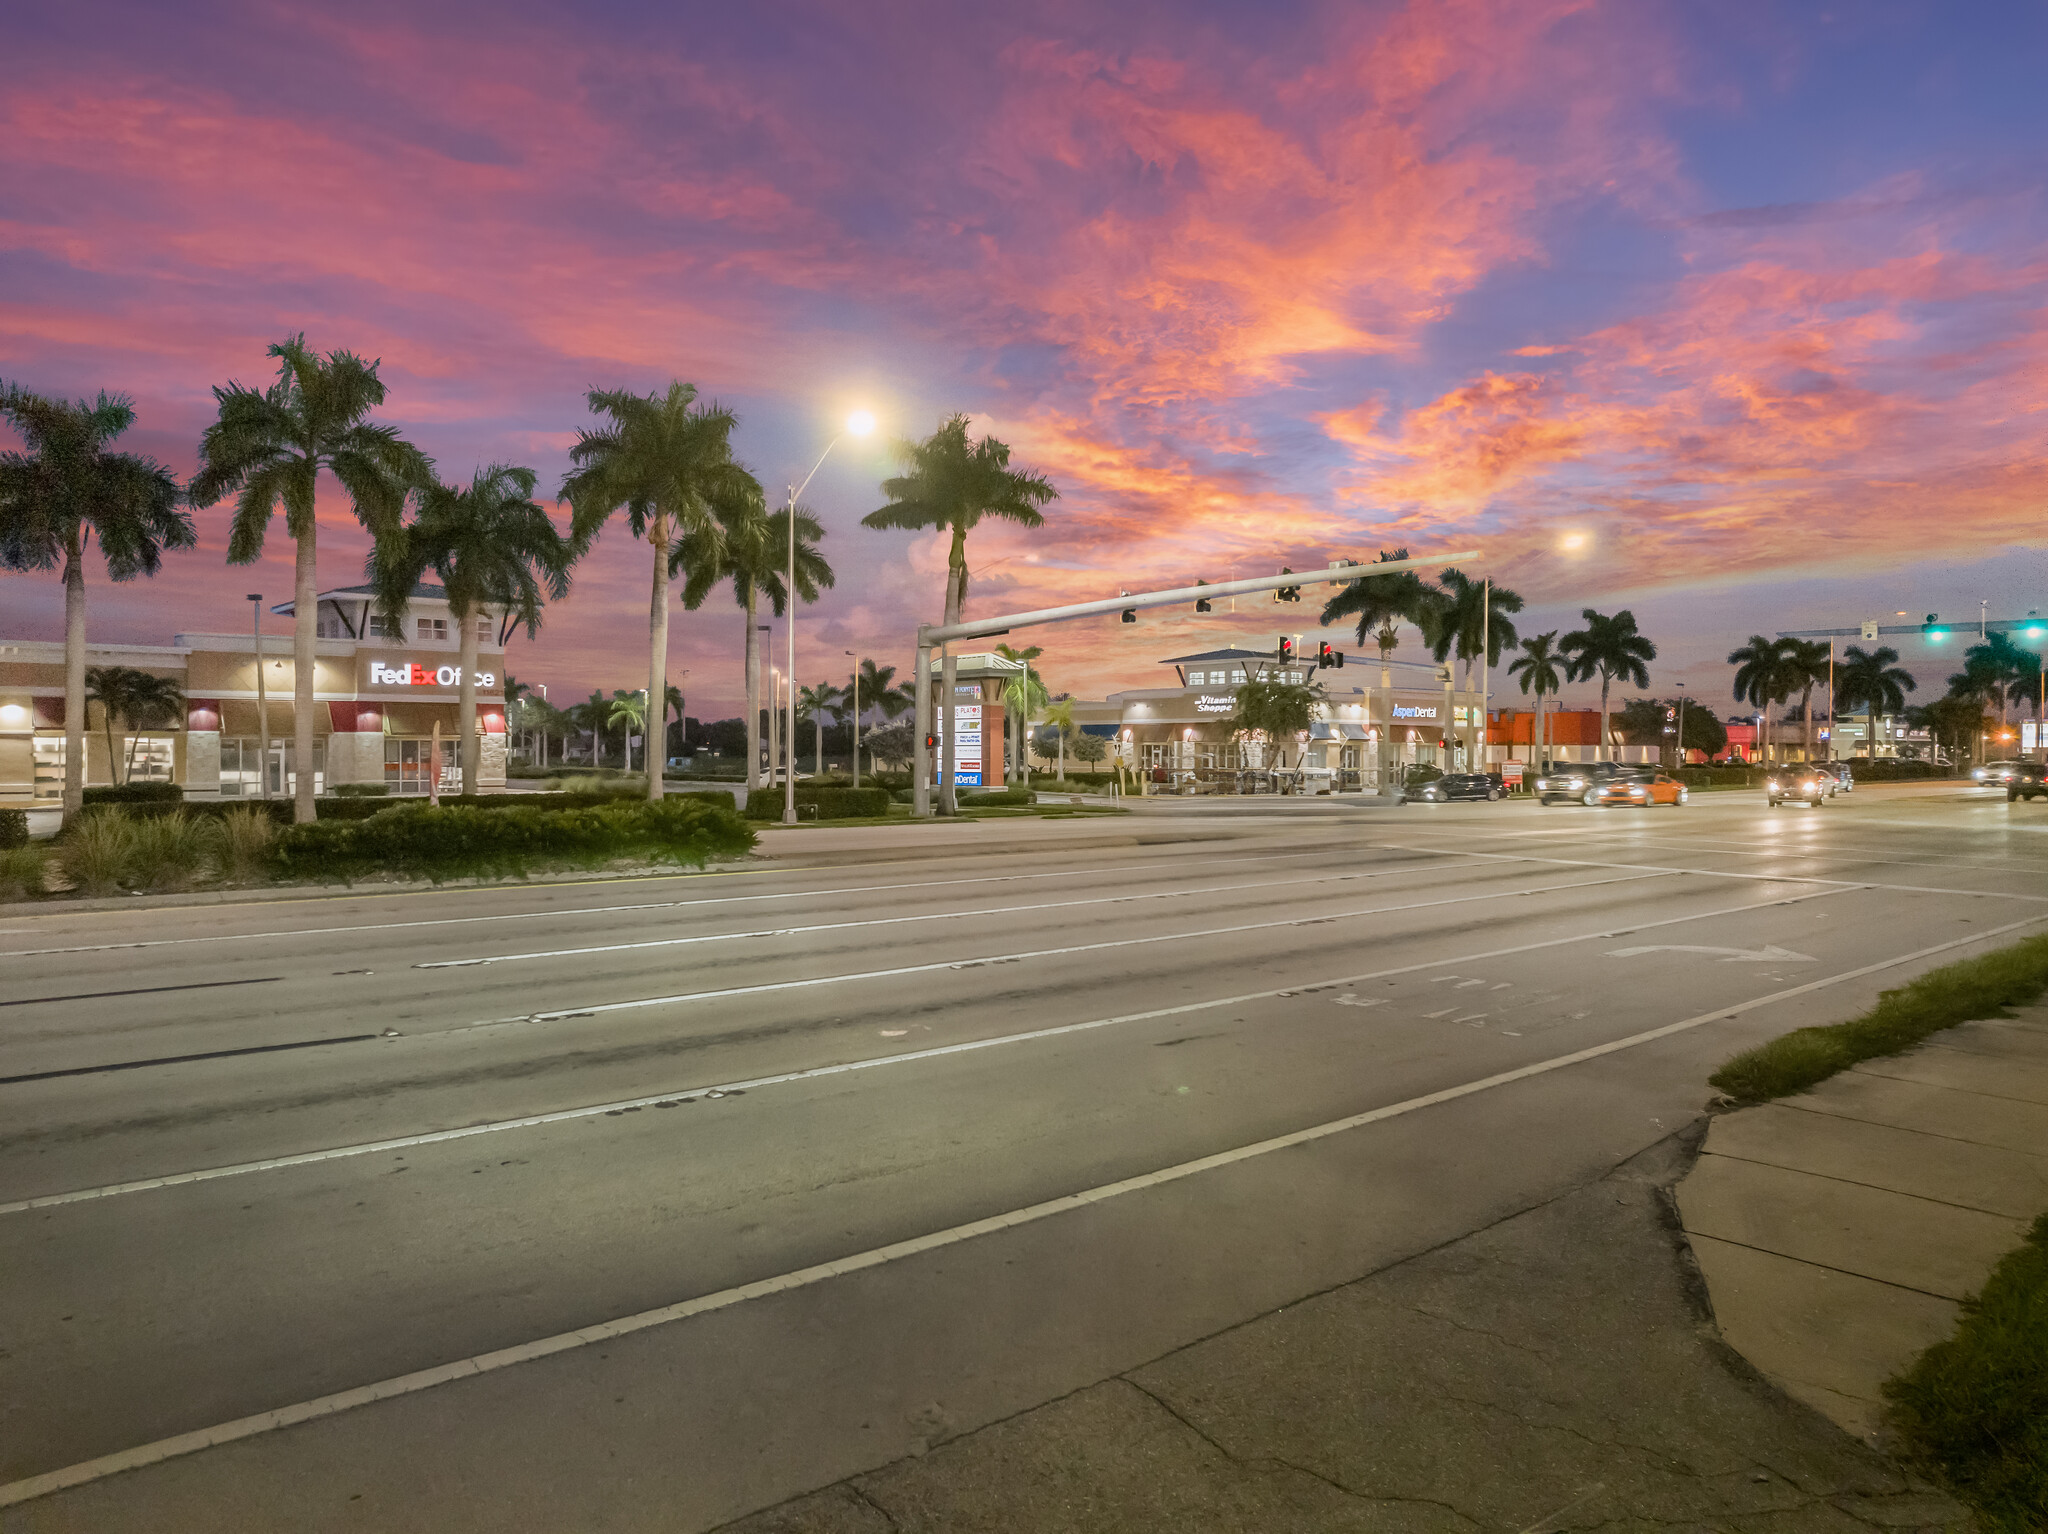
(1336, 729)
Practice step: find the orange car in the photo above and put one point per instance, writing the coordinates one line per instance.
(1642, 789)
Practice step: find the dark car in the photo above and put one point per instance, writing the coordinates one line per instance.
(2027, 780)
(1578, 782)
(1461, 785)
(1803, 785)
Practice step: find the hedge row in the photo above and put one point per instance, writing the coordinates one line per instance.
(134, 793)
(13, 829)
(990, 798)
(822, 803)
(467, 840)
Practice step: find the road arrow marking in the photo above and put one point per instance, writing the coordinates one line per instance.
(1770, 953)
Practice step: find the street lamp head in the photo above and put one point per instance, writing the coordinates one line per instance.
(860, 423)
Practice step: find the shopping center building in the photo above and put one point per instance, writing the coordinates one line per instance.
(378, 694)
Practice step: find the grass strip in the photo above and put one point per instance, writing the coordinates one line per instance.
(1976, 1406)
(1956, 993)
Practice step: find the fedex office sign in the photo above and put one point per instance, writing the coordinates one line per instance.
(416, 675)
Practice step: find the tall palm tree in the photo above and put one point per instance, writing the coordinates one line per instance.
(2002, 671)
(1874, 680)
(949, 485)
(750, 548)
(1611, 648)
(1807, 664)
(1469, 617)
(592, 714)
(1381, 602)
(1021, 694)
(664, 460)
(268, 449)
(494, 548)
(66, 490)
(674, 705)
(1765, 674)
(1537, 666)
(1059, 714)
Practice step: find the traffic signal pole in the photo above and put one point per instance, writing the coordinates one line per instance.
(934, 634)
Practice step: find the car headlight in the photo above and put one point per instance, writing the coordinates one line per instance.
(1541, 784)
(1771, 784)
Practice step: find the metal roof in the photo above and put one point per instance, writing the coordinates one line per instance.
(1216, 655)
(421, 590)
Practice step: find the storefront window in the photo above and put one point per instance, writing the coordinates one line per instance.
(49, 766)
(146, 758)
(242, 764)
(408, 763)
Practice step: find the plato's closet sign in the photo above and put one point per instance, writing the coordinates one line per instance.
(413, 674)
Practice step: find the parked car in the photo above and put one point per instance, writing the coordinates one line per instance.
(1577, 783)
(1642, 789)
(1807, 785)
(2029, 780)
(1461, 785)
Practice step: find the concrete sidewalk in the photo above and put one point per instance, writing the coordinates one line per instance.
(1839, 1229)
(1556, 1371)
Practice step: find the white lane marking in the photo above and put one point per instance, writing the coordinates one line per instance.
(662, 905)
(16, 1492)
(1294, 881)
(844, 1067)
(768, 987)
(1770, 953)
(1709, 873)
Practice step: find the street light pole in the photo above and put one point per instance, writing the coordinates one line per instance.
(262, 697)
(856, 719)
(859, 424)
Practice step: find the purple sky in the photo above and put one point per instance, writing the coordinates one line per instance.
(1752, 298)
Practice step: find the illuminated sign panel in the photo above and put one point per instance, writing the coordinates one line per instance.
(1213, 703)
(413, 674)
(967, 745)
(1415, 711)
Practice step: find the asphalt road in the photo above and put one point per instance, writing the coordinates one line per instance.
(797, 1126)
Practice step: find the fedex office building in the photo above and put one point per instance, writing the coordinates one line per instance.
(379, 691)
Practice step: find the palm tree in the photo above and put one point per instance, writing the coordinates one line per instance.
(949, 485)
(1277, 710)
(1611, 648)
(1875, 680)
(1021, 694)
(1766, 671)
(750, 548)
(665, 461)
(139, 700)
(591, 714)
(628, 710)
(59, 495)
(1807, 665)
(1060, 716)
(267, 449)
(1381, 602)
(1537, 667)
(1471, 616)
(812, 705)
(494, 547)
(673, 705)
(2001, 670)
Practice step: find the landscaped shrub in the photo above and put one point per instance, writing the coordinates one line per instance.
(362, 790)
(824, 803)
(995, 796)
(468, 841)
(96, 852)
(134, 793)
(21, 872)
(13, 829)
(167, 852)
(247, 847)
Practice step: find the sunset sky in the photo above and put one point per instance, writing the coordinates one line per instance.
(1753, 297)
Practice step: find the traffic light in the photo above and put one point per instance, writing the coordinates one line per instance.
(1202, 603)
(1933, 630)
(1130, 613)
(1325, 656)
(1286, 650)
(1287, 593)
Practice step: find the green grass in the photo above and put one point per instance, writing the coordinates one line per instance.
(1981, 987)
(1976, 1406)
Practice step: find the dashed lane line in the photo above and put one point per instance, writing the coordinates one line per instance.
(16, 1492)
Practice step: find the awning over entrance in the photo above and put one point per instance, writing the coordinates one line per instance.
(1336, 729)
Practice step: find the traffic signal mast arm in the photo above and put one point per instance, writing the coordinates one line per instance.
(982, 628)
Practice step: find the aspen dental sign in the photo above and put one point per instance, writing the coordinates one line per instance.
(416, 675)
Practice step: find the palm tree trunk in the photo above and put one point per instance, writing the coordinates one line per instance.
(656, 711)
(956, 573)
(753, 662)
(74, 676)
(1806, 713)
(469, 749)
(305, 615)
(1606, 734)
(818, 736)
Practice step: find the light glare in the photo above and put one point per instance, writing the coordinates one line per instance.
(860, 423)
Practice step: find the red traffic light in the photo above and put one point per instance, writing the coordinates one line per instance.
(1286, 648)
(1325, 656)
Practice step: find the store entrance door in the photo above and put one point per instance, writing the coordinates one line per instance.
(408, 764)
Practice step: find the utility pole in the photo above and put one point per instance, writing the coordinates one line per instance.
(262, 698)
